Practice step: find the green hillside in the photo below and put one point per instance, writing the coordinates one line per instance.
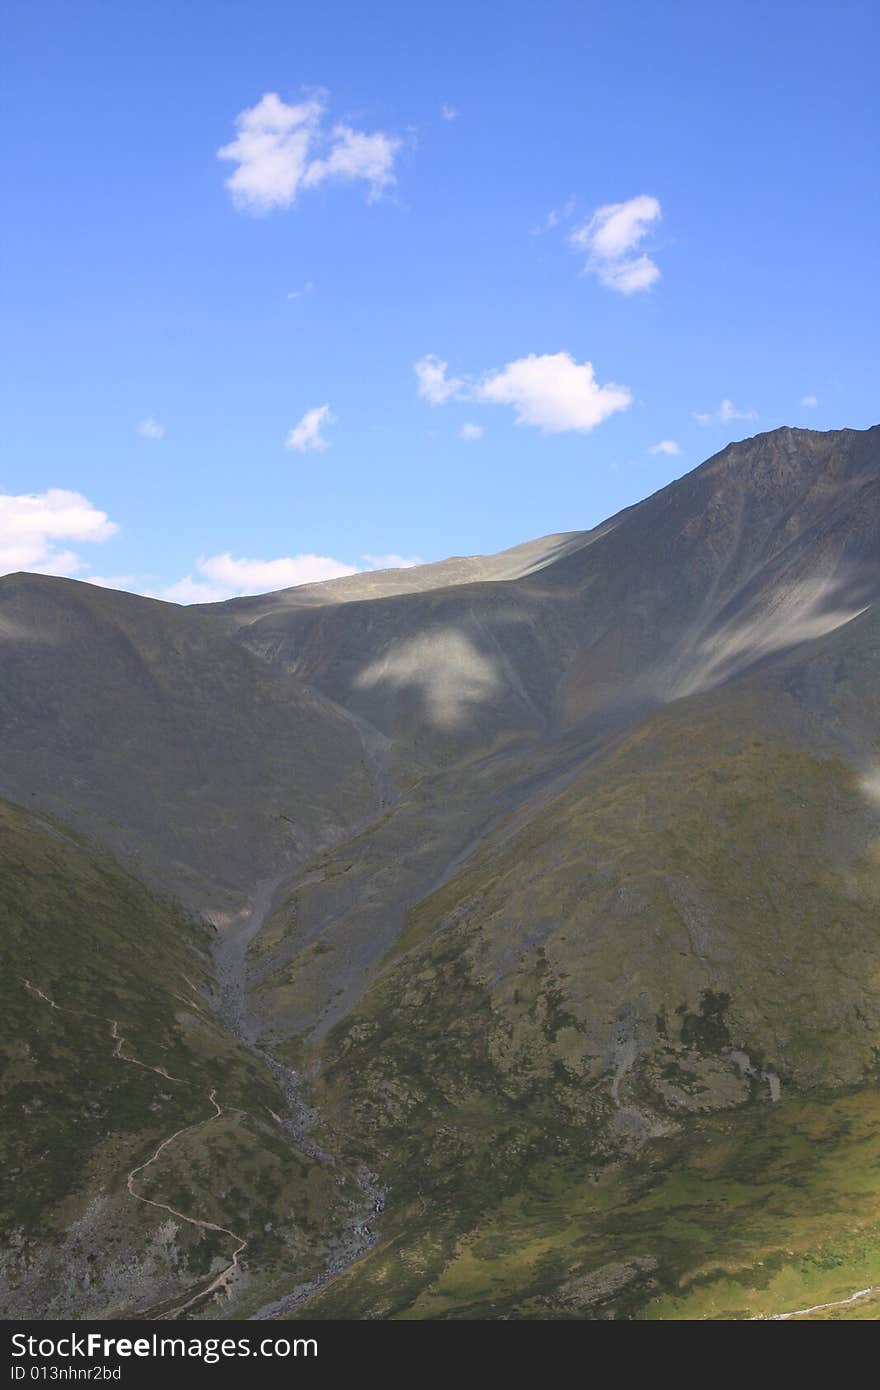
(690, 928)
(77, 1115)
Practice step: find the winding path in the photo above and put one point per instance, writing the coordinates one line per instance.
(356, 1240)
(227, 1274)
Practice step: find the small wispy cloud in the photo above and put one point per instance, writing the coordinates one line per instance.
(666, 446)
(449, 113)
(555, 217)
(301, 293)
(434, 385)
(306, 436)
(281, 149)
(471, 432)
(809, 401)
(150, 428)
(725, 412)
(611, 238)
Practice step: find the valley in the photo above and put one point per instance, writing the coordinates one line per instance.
(489, 939)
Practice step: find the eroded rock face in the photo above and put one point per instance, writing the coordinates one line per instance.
(586, 1290)
(107, 1263)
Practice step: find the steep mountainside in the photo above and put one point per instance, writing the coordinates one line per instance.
(554, 874)
(757, 554)
(771, 542)
(143, 723)
(112, 1051)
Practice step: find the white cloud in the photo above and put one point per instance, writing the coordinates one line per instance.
(629, 276)
(253, 576)
(390, 562)
(434, 385)
(665, 446)
(271, 151)
(809, 400)
(220, 577)
(224, 576)
(616, 229)
(610, 238)
(726, 411)
(449, 113)
(189, 590)
(553, 392)
(33, 524)
(356, 155)
(300, 294)
(150, 429)
(306, 436)
(280, 149)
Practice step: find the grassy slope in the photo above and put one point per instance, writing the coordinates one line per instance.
(76, 1119)
(710, 886)
(740, 1214)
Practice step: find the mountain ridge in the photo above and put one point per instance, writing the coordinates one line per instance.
(525, 876)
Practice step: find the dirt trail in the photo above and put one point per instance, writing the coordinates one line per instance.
(135, 1062)
(223, 1279)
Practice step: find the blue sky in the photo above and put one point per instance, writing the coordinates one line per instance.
(684, 196)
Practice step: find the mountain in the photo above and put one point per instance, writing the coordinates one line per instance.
(142, 723)
(552, 875)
